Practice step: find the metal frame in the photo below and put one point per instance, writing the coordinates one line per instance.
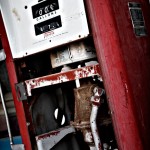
(53, 79)
(13, 79)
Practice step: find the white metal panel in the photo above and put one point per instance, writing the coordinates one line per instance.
(20, 25)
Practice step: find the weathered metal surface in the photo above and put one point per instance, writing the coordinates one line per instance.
(44, 27)
(83, 105)
(48, 140)
(96, 100)
(21, 92)
(94, 128)
(74, 52)
(13, 79)
(125, 63)
(98, 92)
(62, 77)
(87, 101)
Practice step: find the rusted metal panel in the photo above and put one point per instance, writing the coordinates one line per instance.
(79, 73)
(83, 106)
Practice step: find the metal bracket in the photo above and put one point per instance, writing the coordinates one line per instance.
(21, 91)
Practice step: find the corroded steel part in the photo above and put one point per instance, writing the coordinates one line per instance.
(83, 105)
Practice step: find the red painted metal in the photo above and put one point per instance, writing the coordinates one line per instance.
(13, 79)
(125, 65)
(74, 74)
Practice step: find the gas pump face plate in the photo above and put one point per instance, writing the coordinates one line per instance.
(45, 24)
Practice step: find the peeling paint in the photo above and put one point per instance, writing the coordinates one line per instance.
(48, 140)
(36, 83)
(86, 72)
(48, 135)
(126, 90)
(62, 77)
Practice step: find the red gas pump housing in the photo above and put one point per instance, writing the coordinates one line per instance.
(124, 60)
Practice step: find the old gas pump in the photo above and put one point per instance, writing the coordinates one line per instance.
(58, 86)
(59, 78)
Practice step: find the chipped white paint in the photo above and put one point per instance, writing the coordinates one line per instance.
(37, 83)
(126, 87)
(61, 77)
(85, 72)
(28, 86)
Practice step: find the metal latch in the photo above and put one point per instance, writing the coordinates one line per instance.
(21, 91)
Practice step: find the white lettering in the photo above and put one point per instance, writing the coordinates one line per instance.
(41, 29)
(46, 9)
(40, 12)
(49, 26)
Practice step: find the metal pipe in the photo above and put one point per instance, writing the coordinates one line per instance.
(98, 92)
(6, 116)
(94, 127)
